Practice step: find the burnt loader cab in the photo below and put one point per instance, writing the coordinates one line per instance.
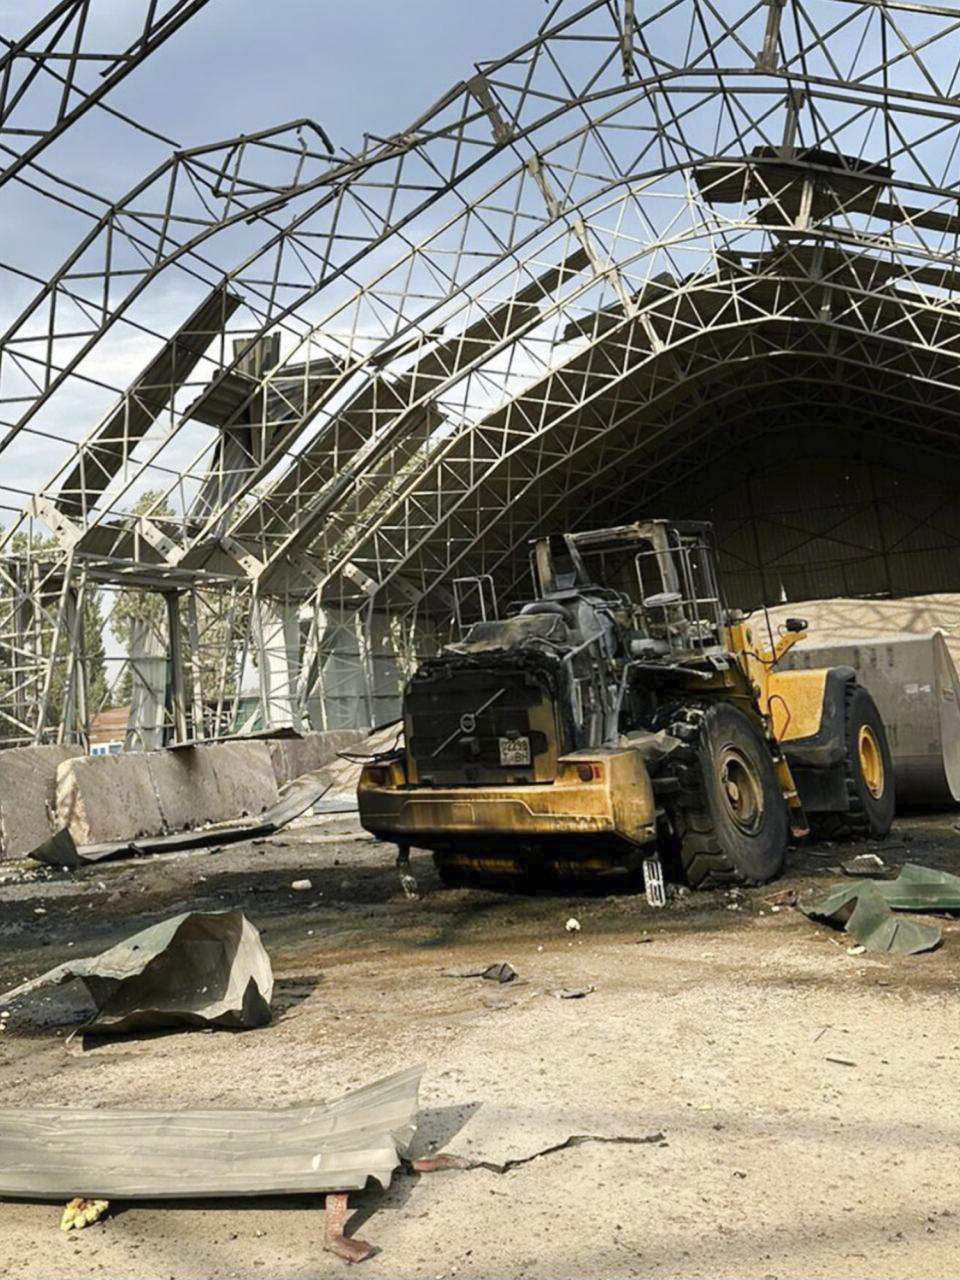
(622, 715)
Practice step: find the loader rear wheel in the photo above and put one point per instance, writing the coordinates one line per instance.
(729, 817)
(869, 774)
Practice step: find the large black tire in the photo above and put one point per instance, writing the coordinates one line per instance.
(729, 817)
(869, 774)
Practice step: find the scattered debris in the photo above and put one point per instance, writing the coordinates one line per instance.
(408, 884)
(199, 968)
(572, 925)
(864, 864)
(841, 1062)
(80, 1213)
(444, 1160)
(503, 971)
(782, 898)
(301, 885)
(47, 1152)
(866, 910)
(572, 993)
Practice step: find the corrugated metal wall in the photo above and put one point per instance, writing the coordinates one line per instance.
(804, 518)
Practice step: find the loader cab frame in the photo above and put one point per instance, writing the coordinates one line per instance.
(665, 570)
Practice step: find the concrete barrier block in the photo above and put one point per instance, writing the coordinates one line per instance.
(28, 795)
(292, 757)
(184, 782)
(155, 792)
(103, 798)
(243, 778)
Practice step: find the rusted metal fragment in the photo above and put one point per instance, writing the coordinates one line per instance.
(55, 1153)
(334, 1241)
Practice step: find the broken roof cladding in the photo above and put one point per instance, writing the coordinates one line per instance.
(865, 910)
(56, 1153)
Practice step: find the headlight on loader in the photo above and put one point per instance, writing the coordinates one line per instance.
(583, 771)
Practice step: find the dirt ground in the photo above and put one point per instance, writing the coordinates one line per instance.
(809, 1099)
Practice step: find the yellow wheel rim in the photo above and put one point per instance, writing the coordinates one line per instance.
(871, 761)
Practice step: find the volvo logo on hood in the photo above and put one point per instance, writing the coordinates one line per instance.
(468, 722)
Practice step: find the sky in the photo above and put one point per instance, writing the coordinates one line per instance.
(239, 66)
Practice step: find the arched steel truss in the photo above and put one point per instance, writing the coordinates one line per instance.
(590, 271)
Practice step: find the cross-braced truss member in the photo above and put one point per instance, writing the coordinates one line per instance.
(54, 73)
(579, 281)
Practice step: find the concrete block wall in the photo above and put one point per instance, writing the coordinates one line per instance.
(293, 756)
(28, 786)
(121, 797)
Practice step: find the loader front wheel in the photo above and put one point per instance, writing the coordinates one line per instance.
(729, 817)
(869, 774)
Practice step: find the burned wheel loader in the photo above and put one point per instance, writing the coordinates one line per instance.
(626, 715)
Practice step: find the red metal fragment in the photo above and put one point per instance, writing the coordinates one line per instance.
(334, 1241)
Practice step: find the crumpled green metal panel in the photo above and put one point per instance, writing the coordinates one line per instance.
(201, 968)
(861, 910)
(866, 909)
(919, 888)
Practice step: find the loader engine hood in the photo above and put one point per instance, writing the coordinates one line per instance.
(501, 705)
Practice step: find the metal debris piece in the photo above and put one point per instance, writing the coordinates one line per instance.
(408, 884)
(447, 1160)
(863, 911)
(301, 885)
(782, 898)
(301, 796)
(919, 888)
(866, 910)
(80, 1213)
(864, 864)
(572, 925)
(58, 851)
(49, 1153)
(654, 885)
(334, 1241)
(200, 968)
(502, 972)
(572, 993)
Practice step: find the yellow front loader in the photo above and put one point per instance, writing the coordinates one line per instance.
(625, 715)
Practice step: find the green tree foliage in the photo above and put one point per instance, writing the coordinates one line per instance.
(146, 607)
(93, 655)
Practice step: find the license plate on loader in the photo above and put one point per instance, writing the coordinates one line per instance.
(514, 750)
